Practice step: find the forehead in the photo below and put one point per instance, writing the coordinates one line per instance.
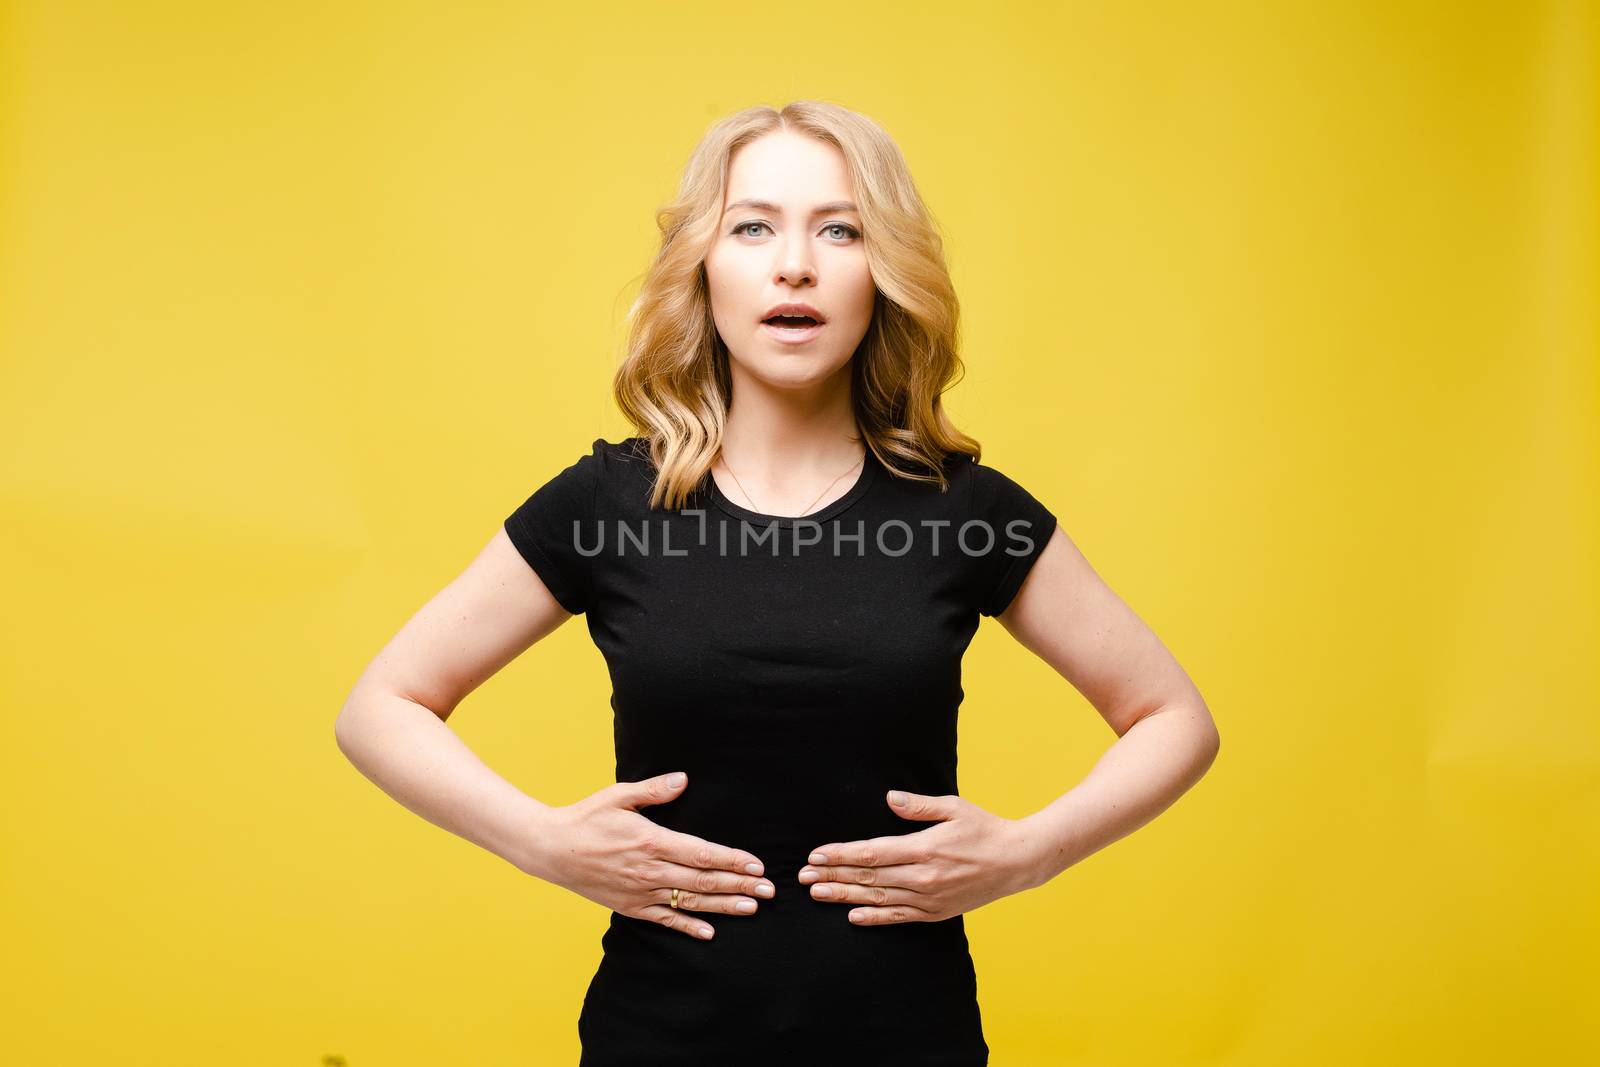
(791, 169)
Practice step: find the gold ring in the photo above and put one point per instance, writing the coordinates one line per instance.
(674, 902)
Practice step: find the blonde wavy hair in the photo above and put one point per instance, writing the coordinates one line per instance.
(673, 383)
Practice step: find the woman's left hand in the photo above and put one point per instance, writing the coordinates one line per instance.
(970, 858)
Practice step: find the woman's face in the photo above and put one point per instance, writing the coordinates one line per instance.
(789, 235)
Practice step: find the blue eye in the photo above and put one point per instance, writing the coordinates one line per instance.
(743, 229)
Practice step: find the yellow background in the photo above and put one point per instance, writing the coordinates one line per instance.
(1288, 312)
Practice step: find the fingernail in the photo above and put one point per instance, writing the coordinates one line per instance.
(752, 868)
(763, 890)
(896, 797)
(807, 876)
(675, 779)
(705, 931)
(746, 905)
(817, 857)
(821, 891)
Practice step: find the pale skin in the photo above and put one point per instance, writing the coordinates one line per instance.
(790, 433)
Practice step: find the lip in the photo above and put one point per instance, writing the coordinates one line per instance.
(790, 308)
(790, 336)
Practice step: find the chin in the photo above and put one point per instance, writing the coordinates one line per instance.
(793, 369)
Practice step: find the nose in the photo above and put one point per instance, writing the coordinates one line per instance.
(794, 261)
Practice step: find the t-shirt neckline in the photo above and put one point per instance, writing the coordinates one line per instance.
(868, 470)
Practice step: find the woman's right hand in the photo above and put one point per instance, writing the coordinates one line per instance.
(602, 849)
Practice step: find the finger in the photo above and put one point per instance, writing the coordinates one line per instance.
(924, 807)
(896, 913)
(876, 895)
(677, 920)
(657, 790)
(875, 852)
(906, 875)
(727, 903)
(692, 851)
(702, 880)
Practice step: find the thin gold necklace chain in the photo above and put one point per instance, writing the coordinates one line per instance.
(807, 509)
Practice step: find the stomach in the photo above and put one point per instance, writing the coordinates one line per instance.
(796, 970)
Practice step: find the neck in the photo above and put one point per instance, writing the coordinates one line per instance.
(791, 438)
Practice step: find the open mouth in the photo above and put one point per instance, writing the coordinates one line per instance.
(791, 322)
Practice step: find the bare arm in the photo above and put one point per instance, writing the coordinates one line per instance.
(1166, 739)
(392, 725)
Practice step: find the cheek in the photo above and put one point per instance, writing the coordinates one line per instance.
(866, 297)
(858, 281)
(727, 277)
(723, 295)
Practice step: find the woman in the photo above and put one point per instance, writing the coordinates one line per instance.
(783, 570)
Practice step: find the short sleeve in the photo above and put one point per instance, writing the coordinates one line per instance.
(1020, 525)
(553, 526)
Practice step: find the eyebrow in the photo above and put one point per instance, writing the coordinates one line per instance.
(767, 205)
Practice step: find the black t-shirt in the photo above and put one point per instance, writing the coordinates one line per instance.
(797, 670)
